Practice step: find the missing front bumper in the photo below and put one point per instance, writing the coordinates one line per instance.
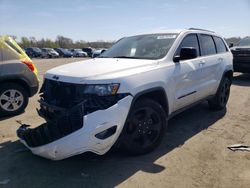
(62, 123)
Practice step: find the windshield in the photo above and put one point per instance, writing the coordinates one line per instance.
(245, 42)
(153, 46)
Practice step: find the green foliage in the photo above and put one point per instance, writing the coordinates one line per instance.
(61, 42)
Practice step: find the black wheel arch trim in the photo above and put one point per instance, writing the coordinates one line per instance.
(227, 73)
(149, 91)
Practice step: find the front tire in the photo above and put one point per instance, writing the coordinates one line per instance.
(13, 99)
(219, 102)
(144, 128)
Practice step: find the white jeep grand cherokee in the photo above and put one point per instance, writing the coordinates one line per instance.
(126, 96)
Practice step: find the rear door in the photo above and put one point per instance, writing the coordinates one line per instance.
(210, 66)
(223, 56)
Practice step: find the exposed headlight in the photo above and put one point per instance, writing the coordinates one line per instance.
(102, 89)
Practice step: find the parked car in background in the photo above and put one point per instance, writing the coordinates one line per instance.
(98, 52)
(125, 98)
(63, 52)
(33, 52)
(241, 54)
(79, 53)
(18, 77)
(49, 53)
(88, 50)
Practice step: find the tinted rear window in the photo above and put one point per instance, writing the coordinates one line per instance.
(13, 46)
(207, 45)
(220, 45)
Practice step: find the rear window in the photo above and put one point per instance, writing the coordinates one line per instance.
(220, 45)
(207, 45)
(13, 46)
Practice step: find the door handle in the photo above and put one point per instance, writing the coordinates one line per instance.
(220, 59)
(201, 63)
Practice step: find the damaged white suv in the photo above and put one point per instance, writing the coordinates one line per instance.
(126, 96)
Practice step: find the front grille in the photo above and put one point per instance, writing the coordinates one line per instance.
(67, 95)
(61, 94)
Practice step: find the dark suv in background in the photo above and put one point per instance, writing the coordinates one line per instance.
(89, 51)
(63, 52)
(18, 78)
(241, 54)
(33, 52)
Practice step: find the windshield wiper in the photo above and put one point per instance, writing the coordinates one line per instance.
(129, 57)
(102, 57)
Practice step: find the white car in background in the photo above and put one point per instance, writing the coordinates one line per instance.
(125, 97)
(49, 53)
(98, 52)
(79, 53)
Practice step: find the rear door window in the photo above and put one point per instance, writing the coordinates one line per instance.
(207, 45)
(220, 45)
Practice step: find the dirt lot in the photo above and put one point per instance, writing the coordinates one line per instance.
(193, 153)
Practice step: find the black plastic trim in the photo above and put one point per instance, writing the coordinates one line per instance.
(148, 91)
(106, 133)
(187, 94)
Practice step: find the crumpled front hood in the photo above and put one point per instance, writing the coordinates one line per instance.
(107, 68)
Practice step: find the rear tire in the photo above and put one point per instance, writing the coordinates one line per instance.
(13, 99)
(219, 101)
(144, 128)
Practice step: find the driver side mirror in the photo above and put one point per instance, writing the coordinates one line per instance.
(185, 54)
(231, 45)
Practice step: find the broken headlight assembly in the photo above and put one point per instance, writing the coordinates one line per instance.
(102, 89)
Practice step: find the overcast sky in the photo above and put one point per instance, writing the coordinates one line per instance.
(93, 20)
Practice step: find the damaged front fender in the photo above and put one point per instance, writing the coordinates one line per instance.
(74, 131)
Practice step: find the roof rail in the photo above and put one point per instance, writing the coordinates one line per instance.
(200, 29)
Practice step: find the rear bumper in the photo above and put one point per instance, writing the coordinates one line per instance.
(34, 89)
(84, 139)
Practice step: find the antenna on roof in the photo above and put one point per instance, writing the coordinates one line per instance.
(200, 29)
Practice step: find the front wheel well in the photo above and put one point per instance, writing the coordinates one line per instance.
(157, 95)
(19, 82)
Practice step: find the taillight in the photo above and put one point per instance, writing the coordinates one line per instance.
(29, 64)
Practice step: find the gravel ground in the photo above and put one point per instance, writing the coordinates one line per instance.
(193, 153)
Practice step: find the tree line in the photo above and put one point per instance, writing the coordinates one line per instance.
(61, 42)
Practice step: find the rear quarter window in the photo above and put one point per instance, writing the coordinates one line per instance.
(207, 45)
(220, 45)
